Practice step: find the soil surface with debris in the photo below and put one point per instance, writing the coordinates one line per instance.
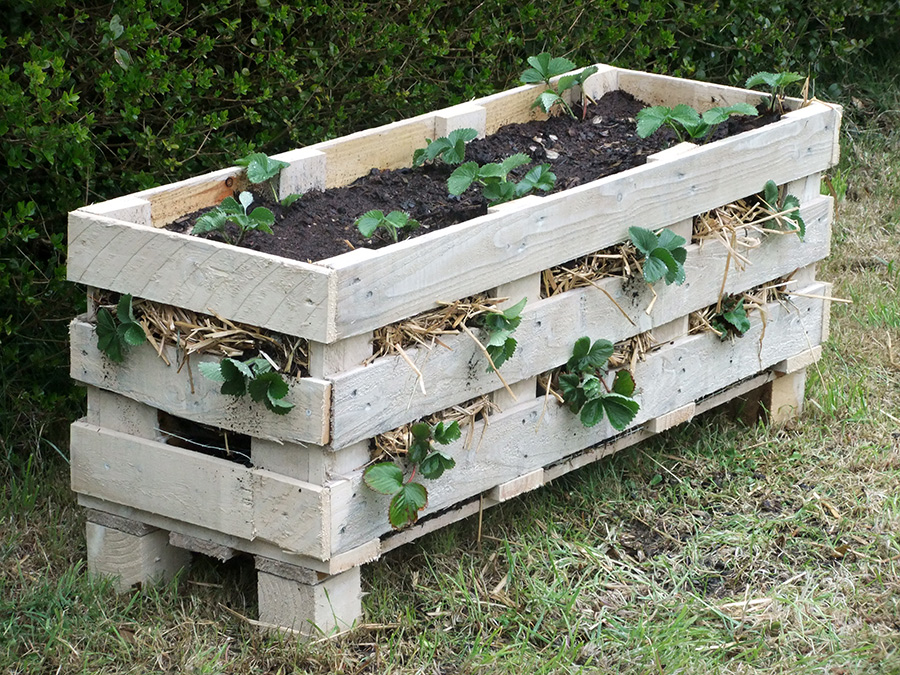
(601, 141)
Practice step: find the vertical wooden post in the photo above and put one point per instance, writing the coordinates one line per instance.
(526, 287)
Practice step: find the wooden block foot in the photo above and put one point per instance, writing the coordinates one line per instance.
(783, 397)
(307, 602)
(140, 555)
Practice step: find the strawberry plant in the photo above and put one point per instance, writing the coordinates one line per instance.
(235, 211)
(664, 255)
(262, 169)
(686, 122)
(255, 376)
(732, 319)
(500, 326)
(407, 496)
(115, 334)
(585, 391)
(545, 67)
(786, 209)
(394, 224)
(451, 149)
(496, 188)
(777, 83)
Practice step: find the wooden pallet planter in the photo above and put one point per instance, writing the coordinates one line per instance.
(301, 507)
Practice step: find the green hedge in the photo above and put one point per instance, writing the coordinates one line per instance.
(103, 100)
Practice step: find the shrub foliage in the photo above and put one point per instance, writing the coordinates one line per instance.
(100, 100)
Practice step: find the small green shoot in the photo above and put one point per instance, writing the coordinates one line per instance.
(255, 376)
(732, 320)
(777, 83)
(686, 122)
(500, 326)
(407, 496)
(262, 169)
(786, 210)
(395, 223)
(585, 391)
(115, 334)
(664, 255)
(493, 179)
(235, 211)
(543, 69)
(451, 149)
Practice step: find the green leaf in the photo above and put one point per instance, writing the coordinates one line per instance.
(570, 387)
(514, 161)
(624, 383)
(246, 199)
(421, 431)
(621, 410)
(539, 177)
(655, 268)
(514, 312)
(770, 194)
(791, 202)
(592, 412)
(670, 241)
(544, 67)
(213, 221)
(278, 406)
(546, 100)
(290, 199)
(672, 266)
(592, 387)
(263, 218)
(737, 317)
(651, 119)
(566, 82)
(685, 115)
(406, 504)
(108, 340)
(497, 193)
(124, 311)
(384, 477)
(644, 240)
(433, 466)
(369, 222)
(447, 434)
(132, 334)
(501, 353)
(586, 73)
(234, 387)
(601, 352)
(401, 220)
(462, 177)
(260, 167)
(211, 370)
(765, 78)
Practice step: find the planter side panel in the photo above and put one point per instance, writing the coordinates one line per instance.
(532, 436)
(384, 395)
(146, 378)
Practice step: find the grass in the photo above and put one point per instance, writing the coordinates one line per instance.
(715, 548)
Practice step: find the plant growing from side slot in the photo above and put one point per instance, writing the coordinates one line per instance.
(407, 496)
(394, 224)
(686, 122)
(500, 326)
(115, 334)
(544, 68)
(496, 188)
(664, 255)
(450, 149)
(256, 376)
(585, 391)
(262, 169)
(732, 318)
(785, 210)
(777, 83)
(235, 211)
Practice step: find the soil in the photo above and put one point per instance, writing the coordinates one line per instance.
(600, 142)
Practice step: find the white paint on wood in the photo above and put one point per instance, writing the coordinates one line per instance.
(784, 399)
(130, 208)
(515, 443)
(312, 610)
(805, 188)
(827, 290)
(672, 418)
(671, 331)
(463, 116)
(144, 378)
(310, 463)
(201, 275)
(110, 520)
(306, 172)
(672, 154)
(132, 559)
(327, 359)
(194, 488)
(798, 361)
(516, 486)
(529, 288)
(385, 394)
(404, 279)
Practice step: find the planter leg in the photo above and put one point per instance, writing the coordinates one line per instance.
(307, 602)
(130, 551)
(783, 397)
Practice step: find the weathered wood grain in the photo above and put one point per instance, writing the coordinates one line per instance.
(144, 377)
(201, 275)
(194, 488)
(385, 394)
(530, 437)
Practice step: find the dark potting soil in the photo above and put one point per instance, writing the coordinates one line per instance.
(601, 141)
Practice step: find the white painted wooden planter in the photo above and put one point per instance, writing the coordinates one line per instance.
(302, 508)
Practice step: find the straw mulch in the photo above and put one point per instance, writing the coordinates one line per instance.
(617, 261)
(395, 443)
(755, 300)
(190, 333)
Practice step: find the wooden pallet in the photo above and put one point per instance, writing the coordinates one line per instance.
(301, 507)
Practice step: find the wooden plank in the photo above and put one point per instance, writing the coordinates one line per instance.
(387, 147)
(194, 488)
(129, 208)
(672, 418)
(406, 278)
(655, 89)
(132, 559)
(462, 116)
(306, 172)
(798, 361)
(531, 437)
(516, 486)
(205, 276)
(144, 377)
(385, 394)
(511, 106)
(204, 546)
(169, 202)
(312, 610)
